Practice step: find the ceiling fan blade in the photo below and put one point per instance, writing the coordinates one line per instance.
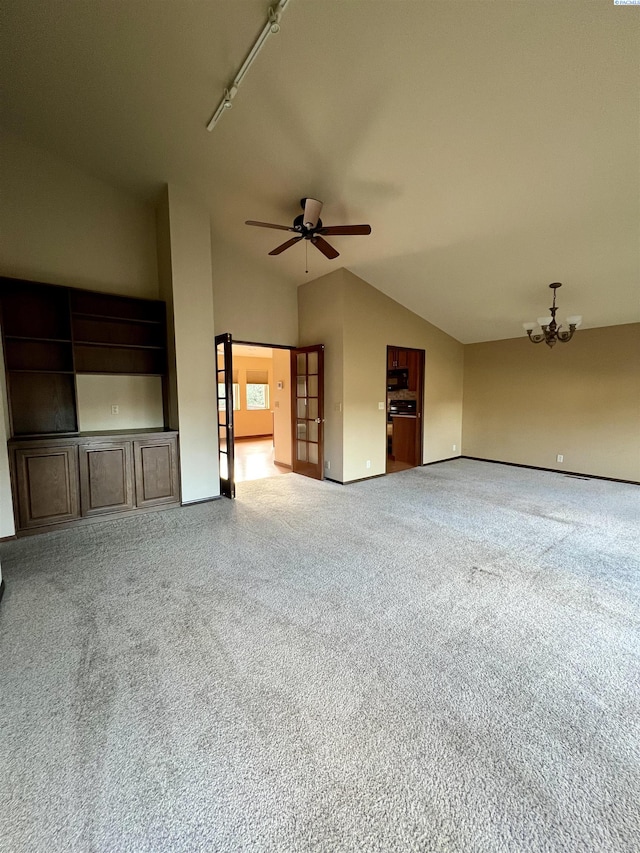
(346, 229)
(327, 250)
(284, 246)
(312, 208)
(269, 225)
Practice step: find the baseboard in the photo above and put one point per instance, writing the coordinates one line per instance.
(552, 470)
(253, 437)
(438, 461)
(2, 588)
(358, 480)
(8, 538)
(283, 465)
(202, 501)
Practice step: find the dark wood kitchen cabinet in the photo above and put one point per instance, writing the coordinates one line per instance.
(92, 476)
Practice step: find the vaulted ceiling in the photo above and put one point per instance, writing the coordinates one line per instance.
(492, 146)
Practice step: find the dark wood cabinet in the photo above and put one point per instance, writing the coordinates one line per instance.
(156, 471)
(88, 477)
(45, 485)
(106, 477)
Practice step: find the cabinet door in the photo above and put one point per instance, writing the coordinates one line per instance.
(156, 467)
(46, 483)
(106, 477)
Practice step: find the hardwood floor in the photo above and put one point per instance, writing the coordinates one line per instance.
(393, 466)
(254, 460)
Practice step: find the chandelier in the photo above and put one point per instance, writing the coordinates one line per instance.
(551, 331)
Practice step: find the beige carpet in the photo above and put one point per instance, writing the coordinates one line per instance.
(446, 659)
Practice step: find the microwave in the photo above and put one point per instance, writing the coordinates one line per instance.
(398, 379)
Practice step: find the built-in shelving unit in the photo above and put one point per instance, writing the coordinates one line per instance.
(115, 334)
(39, 359)
(51, 333)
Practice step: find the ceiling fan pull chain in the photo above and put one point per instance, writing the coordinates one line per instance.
(306, 256)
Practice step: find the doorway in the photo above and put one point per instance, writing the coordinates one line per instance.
(261, 391)
(404, 395)
(270, 410)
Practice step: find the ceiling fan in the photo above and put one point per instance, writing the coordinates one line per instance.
(308, 226)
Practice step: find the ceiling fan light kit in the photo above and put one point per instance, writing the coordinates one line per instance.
(308, 226)
(551, 332)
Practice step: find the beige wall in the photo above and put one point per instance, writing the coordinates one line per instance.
(252, 422)
(185, 279)
(64, 226)
(138, 398)
(527, 404)
(282, 406)
(356, 323)
(373, 321)
(251, 306)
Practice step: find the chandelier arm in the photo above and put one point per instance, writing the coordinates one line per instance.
(566, 336)
(535, 339)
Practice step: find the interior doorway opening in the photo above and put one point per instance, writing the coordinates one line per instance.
(405, 384)
(261, 380)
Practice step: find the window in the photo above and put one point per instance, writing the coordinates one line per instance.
(222, 403)
(257, 396)
(257, 389)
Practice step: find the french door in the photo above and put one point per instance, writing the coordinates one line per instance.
(224, 376)
(307, 411)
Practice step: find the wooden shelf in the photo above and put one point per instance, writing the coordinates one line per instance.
(35, 370)
(42, 402)
(115, 346)
(84, 316)
(39, 340)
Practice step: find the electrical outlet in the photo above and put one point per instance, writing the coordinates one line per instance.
(327, 465)
(115, 410)
(368, 463)
(454, 447)
(381, 406)
(559, 458)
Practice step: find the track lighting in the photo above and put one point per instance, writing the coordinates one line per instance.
(271, 27)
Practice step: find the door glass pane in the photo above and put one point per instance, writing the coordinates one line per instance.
(224, 467)
(313, 362)
(302, 362)
(312, 427)
(313, 386)
(302, 408)
(302, 387)
(222, 437)
(302, 451)
(312, 408)
(313, 453)
(301, 429)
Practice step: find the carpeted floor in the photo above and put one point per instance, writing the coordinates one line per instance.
(446, 659)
